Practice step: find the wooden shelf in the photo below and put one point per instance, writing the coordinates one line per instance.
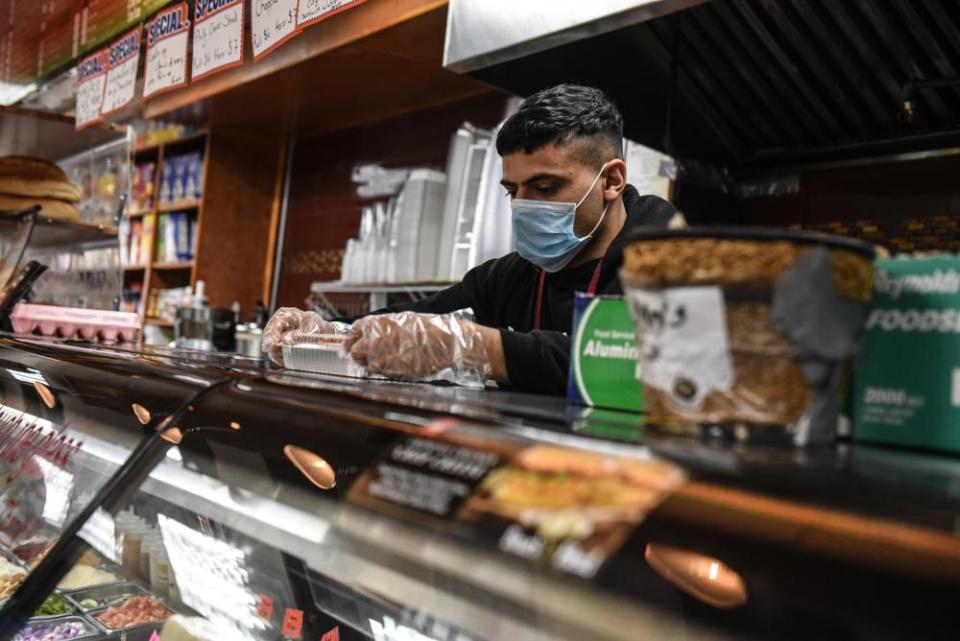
(186, 140)
(184, 264)
(134, 268)
(180, 206)
(182, 141)
(139, 214)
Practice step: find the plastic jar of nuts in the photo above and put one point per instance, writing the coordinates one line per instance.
(746, 325)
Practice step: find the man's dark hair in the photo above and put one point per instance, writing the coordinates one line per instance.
(561, 115)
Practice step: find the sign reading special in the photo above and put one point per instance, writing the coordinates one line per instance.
(124, 61)
(91, 80)
(167, 40)
(273, 22)
(217, 36)
(312, 11)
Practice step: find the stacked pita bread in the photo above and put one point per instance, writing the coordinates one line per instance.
(26, 181)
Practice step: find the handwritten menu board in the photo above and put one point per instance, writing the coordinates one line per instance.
(124, 61)
(217, 36)
(273, 22)
(167, 40)
(312, 11)
(91, 80)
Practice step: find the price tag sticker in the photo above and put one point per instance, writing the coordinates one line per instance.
(265, 607)
(332, 635)
(292, 624)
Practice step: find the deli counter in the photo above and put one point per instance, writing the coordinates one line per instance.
(169, 495)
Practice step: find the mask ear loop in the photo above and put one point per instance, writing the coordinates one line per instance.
(602, 215)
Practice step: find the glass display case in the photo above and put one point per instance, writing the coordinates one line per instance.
(203, 498)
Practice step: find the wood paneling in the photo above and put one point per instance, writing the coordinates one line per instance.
(907, 205)
(233, 244)
(324, 209)
(343, 83)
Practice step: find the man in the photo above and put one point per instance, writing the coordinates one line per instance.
(563, 168)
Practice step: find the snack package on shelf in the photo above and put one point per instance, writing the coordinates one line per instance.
(181, 180)
(175, 237)
(142, 187)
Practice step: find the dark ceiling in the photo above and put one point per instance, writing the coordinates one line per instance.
(762, 84)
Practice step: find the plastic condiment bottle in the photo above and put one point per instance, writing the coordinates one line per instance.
(146, 544)
(159, 570)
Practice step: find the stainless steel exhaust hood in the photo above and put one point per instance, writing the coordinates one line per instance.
(748, 85)
(482, 33)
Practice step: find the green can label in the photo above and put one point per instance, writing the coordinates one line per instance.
(907, 381)
(604, 360)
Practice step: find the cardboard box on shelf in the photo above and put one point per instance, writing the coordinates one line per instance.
(604, 371)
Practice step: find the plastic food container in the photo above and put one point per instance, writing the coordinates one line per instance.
(746, 325)
(57, 629)
(68, 322)
(324, 356)
(105, 596)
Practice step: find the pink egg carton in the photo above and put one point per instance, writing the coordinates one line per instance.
(68, 322)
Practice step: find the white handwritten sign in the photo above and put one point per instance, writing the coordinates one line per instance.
(273, 23)
(313, 11)
(217, 36)
(91, 79)
(167, 40)
(122, 77)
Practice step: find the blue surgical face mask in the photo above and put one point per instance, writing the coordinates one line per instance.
(543, 230)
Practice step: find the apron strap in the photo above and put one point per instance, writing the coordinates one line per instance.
(541, 281)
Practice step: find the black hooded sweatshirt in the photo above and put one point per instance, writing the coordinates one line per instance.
(501, 292)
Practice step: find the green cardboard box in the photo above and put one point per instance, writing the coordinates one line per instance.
(907, 378)
(604, 371)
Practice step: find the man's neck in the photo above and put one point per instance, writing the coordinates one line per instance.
(613, 222)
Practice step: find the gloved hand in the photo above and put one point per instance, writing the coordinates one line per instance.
(421, 347)
(290, 326)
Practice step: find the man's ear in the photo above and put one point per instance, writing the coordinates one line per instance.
(615, 180)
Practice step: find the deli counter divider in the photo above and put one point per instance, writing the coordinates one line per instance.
(298, 505)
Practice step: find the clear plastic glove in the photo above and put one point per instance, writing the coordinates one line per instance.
(421, 347)
(290, 326)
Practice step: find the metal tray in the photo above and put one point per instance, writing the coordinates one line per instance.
(7, 555)
(139, 632)
(47, 617)
(92, 629)
(104, 592)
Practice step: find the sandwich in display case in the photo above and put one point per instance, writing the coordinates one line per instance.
(168, 495)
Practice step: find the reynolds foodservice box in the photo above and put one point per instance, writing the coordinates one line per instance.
(604, 370)
(907, 379)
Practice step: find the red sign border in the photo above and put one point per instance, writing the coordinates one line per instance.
(330, 14)
(187, 64)
(243, 40)
(287, 38)
(105, 52)
(139, 30)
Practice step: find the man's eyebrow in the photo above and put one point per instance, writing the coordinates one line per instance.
(534, 178)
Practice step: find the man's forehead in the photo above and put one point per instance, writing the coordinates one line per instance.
(560, 160)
